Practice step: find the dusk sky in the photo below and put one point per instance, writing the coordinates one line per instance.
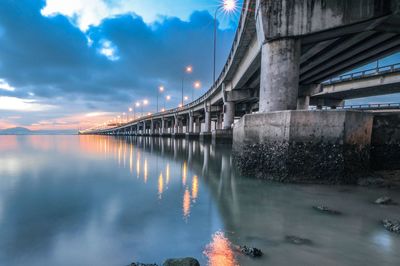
(70, 64)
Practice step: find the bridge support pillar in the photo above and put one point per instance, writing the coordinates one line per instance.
(330, 146)
(229, 115)
(303, 103)
(280, 64)
(189, 128)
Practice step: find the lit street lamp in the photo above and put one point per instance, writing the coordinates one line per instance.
(145, 102)
(228, 6)
(160, 90)
(196, 85)
(167, 98)
(188, 70)
(130, 112)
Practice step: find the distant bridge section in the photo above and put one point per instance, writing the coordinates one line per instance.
(371, 82)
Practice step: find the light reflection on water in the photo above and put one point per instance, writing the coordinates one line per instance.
(96, 200)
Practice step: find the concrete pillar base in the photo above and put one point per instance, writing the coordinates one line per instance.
(178, 135)
(385, 148)
(165, 135)
(192, 136)
(222, 136)
(205, 136)
(304, 146)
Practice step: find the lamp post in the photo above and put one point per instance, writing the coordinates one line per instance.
(167, 98)
(160, 90)
(196, 85)
(188, 70)
(145, 102)
(228, 6)
(130, 112)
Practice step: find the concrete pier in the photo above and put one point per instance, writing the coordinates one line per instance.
(304, 146)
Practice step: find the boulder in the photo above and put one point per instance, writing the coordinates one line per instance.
(298, 240)
(252, 252)
(327, 210)
(181, 262)
(384, 201)
(391, 226)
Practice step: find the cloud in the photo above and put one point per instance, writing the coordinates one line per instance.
(17, 104)
(5, 86)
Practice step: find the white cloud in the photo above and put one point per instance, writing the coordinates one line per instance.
(5, 86)
(109, 50)
(17, 104)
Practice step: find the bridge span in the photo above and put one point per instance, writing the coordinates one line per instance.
(282, 55)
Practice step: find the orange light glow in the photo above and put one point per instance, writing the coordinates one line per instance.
(160, 185)
(195, 188)
(167, 174)
(219, 252)
(186, 204)
(184, 173)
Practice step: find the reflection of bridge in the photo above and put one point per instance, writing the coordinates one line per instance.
(282, 54)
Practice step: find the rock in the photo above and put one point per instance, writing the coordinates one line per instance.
(384, 201)
(181, 262)
(252, 252)
(298, 240)
(392, 226)
(142, 264)
(327, 210)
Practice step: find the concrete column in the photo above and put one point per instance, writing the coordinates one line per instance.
(197, 128)
(162, 125)
(219, 122)
(303, 103)
(229, 115)
(207, 121)
(151, 127)
(189, 128)
(280, 64)
(176, 125)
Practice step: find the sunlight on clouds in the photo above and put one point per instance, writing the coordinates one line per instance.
(5, 86)
(17, 104)
(108, 50)
(84, 13)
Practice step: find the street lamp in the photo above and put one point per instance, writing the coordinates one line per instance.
(196, 85)
(188, 70)
(145, 102)
(137, 104)
(160, 90)
(167, 98)
(130, 111)
(228, 6)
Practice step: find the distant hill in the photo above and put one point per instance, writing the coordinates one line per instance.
(16, 131)
(25, 131)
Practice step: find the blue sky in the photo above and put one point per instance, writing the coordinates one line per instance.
(69, 64)
(66, 64)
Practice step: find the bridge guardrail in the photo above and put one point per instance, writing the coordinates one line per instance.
(364, 74)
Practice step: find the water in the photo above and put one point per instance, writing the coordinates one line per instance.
(94, 200)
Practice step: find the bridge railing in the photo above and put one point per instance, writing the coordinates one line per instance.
(364, 74)
(372, 106)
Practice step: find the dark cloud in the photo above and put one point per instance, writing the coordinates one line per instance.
(52, 58)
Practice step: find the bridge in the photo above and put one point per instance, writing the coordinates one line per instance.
(285, 57)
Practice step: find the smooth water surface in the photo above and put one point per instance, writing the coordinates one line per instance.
(97, 200)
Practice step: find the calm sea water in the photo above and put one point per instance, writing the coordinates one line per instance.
(96, 200)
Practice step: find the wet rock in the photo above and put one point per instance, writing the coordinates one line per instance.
(298, 240)
(384, 201)
(327, 210)
(181, 262)
(142, 264)
(392, 226)
(252, 252)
